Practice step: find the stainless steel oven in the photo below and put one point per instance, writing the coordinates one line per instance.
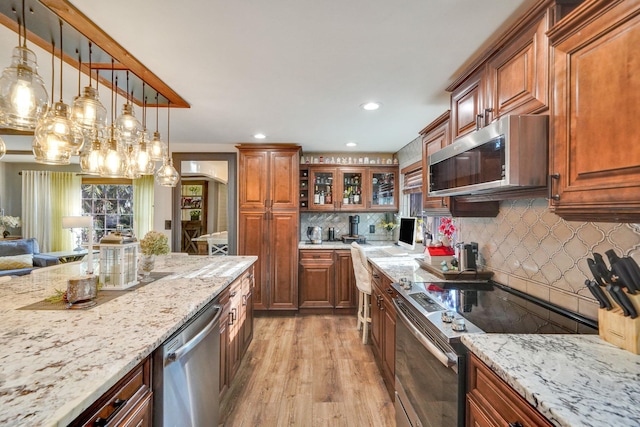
(430, 387)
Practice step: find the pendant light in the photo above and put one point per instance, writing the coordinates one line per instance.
(58, 136)
(158, 147)
(143, 162)
(88, 112)
(167, 175)
(127, 125)
(23, 97)
(91, 157)
(113, 163)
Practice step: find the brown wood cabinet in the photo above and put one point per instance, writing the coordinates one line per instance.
(436, 136)
(127, 403)
(383, 328)
(268, 226)
(510, 77)
(491, 402)
(327, 279)
(595, 149)
(352, 188)
(236, 326)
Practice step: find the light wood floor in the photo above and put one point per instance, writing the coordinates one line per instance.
(307, 371)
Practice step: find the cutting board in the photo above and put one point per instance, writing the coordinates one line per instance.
(455, 275)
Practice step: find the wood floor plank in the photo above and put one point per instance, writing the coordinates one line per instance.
(308, 370)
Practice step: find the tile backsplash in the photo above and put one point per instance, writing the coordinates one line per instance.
(532, 249)
(340, 222)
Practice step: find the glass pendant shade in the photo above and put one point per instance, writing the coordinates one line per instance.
(57, 137)
(167, 175)
(113, 162)
(88, 112)
(127, 126)
(91, 158)
(23, 96)
(158, 147)
(3, 148)
(144, 164)
(131, 166)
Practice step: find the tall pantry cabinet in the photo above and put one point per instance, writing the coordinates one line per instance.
(269, 221)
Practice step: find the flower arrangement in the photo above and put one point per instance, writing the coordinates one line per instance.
(446, 229)
(10, 221)
(389, 226)
(154, 243)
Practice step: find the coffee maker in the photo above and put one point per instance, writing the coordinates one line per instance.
(353, 236)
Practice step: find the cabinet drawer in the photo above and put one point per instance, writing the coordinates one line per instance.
(498, 400)
(116, 405)
(316, 254)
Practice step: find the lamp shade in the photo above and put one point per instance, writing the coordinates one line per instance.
(77, 221)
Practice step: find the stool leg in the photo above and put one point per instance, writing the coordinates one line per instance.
(366, 320)
(360, 314)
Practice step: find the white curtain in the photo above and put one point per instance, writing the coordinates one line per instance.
(47, 197)
(142, 205)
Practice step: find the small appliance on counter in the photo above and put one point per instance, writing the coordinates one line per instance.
(314, 234)
(353, 236)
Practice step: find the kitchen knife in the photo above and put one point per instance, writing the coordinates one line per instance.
(598, 294)
(634, 270)
(625, 301)
(602, 267)
(616, 299)
(597, 276)
(624, 278)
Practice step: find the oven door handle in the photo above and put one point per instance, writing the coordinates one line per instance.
(431, 347)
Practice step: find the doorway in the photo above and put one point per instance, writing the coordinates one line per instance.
(217, 173)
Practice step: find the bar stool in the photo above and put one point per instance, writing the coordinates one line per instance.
(362, 272)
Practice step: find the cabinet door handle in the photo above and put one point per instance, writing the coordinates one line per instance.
(550, 195)
(516, 424)
(488, 112)
(389, 291)
(479, 117)
(117, 404)
(231, 318)
(442, 202)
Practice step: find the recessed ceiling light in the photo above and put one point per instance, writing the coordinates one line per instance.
(351, 144)
(259, 136)
(370, 106)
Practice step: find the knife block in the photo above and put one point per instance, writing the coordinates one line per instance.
(621, 331)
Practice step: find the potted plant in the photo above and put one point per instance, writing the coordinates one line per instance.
(195, 215)
(153, 243)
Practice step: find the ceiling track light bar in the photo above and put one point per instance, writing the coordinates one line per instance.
(78, 32)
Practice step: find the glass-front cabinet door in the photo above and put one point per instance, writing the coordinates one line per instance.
(322, 191)
(352, 191)
(384, 189)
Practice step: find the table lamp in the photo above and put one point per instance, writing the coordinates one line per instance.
(82, 222)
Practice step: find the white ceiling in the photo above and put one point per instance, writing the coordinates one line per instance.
(295, 70)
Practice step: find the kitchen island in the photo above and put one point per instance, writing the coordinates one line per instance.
(56, 363)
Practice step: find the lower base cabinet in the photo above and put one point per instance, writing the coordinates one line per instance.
(326, 279)
(127, 403)
(491, 402)
(383, 328)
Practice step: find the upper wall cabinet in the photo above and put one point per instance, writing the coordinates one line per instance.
(510, 78)
(595, 149)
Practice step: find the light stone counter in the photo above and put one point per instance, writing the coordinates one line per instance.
(573, 380)
(55, 363)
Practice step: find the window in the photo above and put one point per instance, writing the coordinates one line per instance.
(111, 206)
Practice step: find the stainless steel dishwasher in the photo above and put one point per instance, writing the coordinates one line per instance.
(186, 372)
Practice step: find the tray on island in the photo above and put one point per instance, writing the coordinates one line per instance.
(455, 275)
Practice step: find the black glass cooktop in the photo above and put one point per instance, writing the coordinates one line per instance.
(496, 308)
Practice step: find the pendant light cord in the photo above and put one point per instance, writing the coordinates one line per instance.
(24, 26)
(168, 125)
(79, 70)
(61, 54)
(53, 69)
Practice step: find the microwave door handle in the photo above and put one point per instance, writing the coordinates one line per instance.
(435, 351)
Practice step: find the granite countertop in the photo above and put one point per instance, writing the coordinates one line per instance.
(573, 380)
(56, 363)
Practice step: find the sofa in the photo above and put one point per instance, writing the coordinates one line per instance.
(21, 256)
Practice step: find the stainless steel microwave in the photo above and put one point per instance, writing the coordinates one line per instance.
(510, 153)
